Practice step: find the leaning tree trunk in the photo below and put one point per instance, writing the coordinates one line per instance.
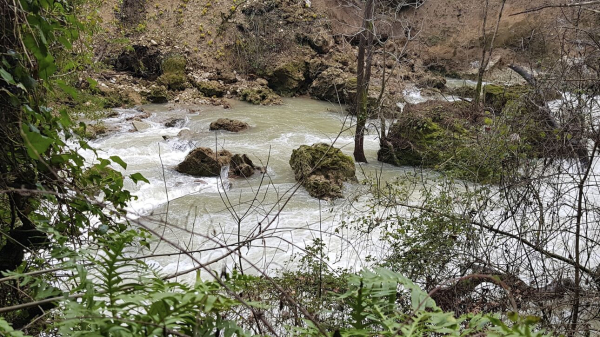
(362, 81)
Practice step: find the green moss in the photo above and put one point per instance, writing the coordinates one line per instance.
(158, 94)
(287, 79)
(439, 135)
(174, 76)
(322, 169)
(210, 88)
(496, 97)
(260, 96)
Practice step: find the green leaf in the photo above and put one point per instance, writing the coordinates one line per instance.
(119, 161)
(7, 77)
(138, 177)
(36, 143)
(68, 89)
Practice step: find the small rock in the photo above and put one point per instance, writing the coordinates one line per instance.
(140, 126)
(173, 122)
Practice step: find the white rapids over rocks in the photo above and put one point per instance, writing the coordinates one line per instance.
(198, 205)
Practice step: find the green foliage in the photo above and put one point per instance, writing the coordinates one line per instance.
(45, 180)
(462, 143)
(125, 297)
(384, 303)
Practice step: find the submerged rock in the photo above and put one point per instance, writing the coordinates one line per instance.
(173, 122)
(203, 162)
(229, 125)
(322, 170)
(140, 126)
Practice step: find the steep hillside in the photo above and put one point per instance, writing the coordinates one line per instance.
(297, 47)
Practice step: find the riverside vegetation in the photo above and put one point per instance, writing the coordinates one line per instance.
(492, 233)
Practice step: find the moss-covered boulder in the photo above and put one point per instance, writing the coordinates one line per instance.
(210, 88)
(173, 81)
(158, 94)
(447, 136)
(334, 85)
(322, 170)
(173, 73)
(260, 96)
(464, 91)
(203, 162)
(431, 81)
(496, 97)
(287, 79)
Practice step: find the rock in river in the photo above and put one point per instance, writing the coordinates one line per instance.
(322, 170)
(203, 162)
(229, 125)
(241, 166)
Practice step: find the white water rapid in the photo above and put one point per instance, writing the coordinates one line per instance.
(200, 214)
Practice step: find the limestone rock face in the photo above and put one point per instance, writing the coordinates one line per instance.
(229, 125)
(322, 170)
(321, 41)
(203, 162)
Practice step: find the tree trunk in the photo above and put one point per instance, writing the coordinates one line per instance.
(485, 61)
(362, 81)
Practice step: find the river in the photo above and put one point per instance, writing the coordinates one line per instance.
(204, 213)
